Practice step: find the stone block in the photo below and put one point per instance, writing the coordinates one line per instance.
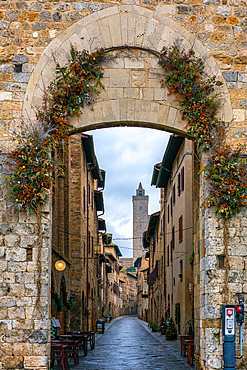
(9, 277)
(135, 63)
(20, 59)
(131, 93)
(230, 76)
(238, 115)
(242, 76)
(16, 254)
(16, 313)
(22, 349)
(5, 349)
(15, 266)
(3, 266)
(12, 362)
(119, 78)
(12, 240)
(105, 30)
(36, 336)
(21, 77)
(5, 95)
(31, 362)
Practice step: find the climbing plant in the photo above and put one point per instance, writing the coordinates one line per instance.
(68, 303)
(55, 296)
(199, 105)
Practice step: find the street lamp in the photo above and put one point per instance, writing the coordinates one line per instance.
(60, 265)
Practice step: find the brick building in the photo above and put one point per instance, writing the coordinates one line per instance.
(173, 250)
(77, 202)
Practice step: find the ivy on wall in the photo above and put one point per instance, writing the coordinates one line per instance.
(199, 105)
(32, 167)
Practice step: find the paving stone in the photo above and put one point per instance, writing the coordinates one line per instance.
(134, 347)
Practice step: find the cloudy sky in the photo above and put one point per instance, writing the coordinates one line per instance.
(128, 155)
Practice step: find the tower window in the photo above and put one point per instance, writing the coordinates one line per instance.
(140, 192)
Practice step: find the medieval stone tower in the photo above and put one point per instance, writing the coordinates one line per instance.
(140, 220)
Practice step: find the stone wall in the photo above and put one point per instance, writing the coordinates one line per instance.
(30, 32)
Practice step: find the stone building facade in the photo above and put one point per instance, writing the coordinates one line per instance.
(174, 270)
(76, 201)
(32, 35)
(140, 220)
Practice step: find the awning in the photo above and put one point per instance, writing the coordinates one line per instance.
(93, 166)
(101, 224)
(152, 223)
(162, 171)
(99, 202)
(101, 183)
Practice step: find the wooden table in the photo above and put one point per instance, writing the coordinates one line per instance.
(189, 344)
(72, 347)
(90, 337)
(182, 339)
(59, 352)
(83, 339)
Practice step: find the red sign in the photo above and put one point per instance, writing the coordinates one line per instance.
(229, 311)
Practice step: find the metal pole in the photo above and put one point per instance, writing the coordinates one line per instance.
(87, 253)
(241, 341)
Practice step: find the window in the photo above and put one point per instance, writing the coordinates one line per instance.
(182, 178)
(173, 237)
(179, 184)
(171, 206)
(221, 261)
(181, 270)
(140, 192)
(171, 252)
(168, 214)
(84, 200)
(173, 194)
(140, 207)
(180, 228)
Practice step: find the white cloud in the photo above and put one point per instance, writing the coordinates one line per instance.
(128, 155)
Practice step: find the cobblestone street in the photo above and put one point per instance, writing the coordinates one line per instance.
(128, 344)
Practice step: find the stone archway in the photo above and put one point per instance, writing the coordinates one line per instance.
(133, 96)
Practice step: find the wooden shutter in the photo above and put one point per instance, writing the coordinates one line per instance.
(179, 184)
(180, 225)
(182, 178)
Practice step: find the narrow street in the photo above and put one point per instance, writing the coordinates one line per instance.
(128, 345)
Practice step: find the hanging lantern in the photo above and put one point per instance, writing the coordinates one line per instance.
(60, 265)
(97, 249)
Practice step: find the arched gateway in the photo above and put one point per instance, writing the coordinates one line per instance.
(133, 96)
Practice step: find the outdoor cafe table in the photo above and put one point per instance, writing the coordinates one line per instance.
(83, 339)
(182, 339)
(90, 336)
(59, 352)
(72, 346)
